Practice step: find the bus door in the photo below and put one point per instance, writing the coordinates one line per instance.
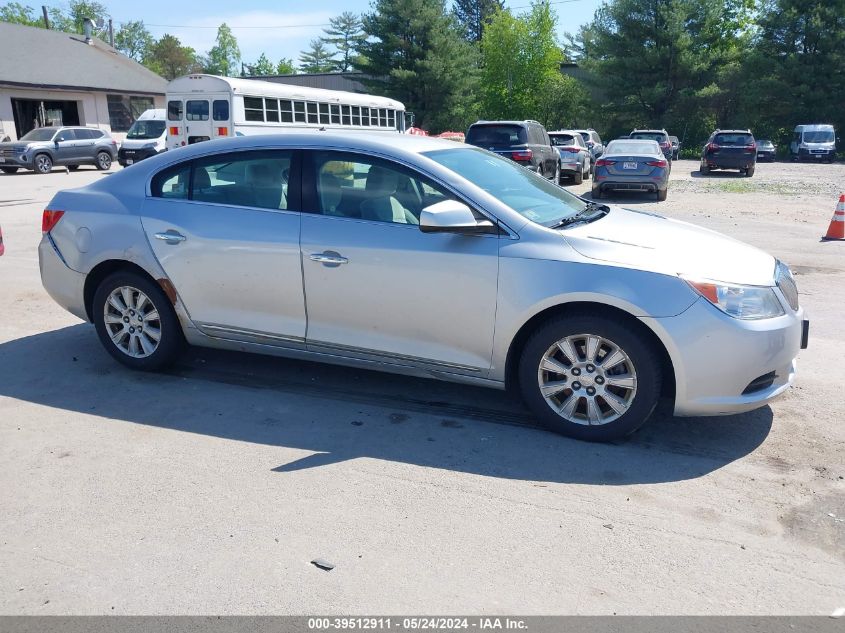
(205, 117)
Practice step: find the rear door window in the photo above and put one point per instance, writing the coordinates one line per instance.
(246, 179)
(174, 110)
(497, 135)
(172, 182)
(196, 110)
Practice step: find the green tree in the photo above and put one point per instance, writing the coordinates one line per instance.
(660, 61)
(262, 67)
(345, 33)
(134, 40)
(563, 103)
(795, 72)
(520, 64)
(285, 67)
(170, 59)
(317, 59)
(224, 58)
(416, 54)
(473, 16)
(78, 11)
(18, 13)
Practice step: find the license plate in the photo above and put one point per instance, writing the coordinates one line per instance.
(629, 165)
(129, 161)
(818, 151)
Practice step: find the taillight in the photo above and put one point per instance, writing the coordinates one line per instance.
(604, 162)
(174, 131)
(657, 163)
(712, 147)
(573, 150)
(49, 219)
(522, 154)
(222, 131)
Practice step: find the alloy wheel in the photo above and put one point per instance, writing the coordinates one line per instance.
(587, 379)
(132, 322)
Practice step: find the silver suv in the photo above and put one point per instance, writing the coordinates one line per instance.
(593, 142)
(42, 148)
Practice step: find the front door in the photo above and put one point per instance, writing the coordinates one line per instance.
(68, 147)
(226, 231)
(380, 289)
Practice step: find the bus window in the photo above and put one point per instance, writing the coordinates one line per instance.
(174, 110)
(287, 111)
(271, 110)
(312, 112)
(346, 115)
(196, 110)
(365, 116)
(335, 108)
(299, 111)
(220, 110)
(324, 113)
(356, 115)
(253, 108)
(382, 117)
(391, 118)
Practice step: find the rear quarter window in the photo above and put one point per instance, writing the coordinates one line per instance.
(172, 182)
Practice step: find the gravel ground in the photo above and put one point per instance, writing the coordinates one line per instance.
(210, 488)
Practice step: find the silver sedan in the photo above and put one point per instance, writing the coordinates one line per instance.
(424, 257)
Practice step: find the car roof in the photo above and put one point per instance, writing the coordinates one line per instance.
(571, 132)
(650, 131)
(732, 132)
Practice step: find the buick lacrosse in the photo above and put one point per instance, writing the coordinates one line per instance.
(425, 257)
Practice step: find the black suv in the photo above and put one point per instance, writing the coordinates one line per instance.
(524, 142)
(730, 149)
(662, 138)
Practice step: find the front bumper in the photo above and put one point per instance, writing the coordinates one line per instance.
(64, 285)
(716, 358)
(129, 156)
(16, 160)
(816, 154)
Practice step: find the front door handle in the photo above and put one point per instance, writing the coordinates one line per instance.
(329, 258)
(171, 237)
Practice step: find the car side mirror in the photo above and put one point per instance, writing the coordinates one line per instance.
(451, 216)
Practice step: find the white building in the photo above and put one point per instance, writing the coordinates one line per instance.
(51, 77)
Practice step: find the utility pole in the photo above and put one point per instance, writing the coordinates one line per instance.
(111, 33)
(46, 19)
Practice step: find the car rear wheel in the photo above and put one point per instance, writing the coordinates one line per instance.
(591, 377)
(586, 173)
(9, 170)
(556, 178)
(596, 193)
(661, 195)
(136, 322)
(72, 167)
(42, 163)
(103, 161)
(578, 177)
(704, 169)
(749, 172)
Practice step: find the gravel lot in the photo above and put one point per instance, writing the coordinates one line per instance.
(210, 488)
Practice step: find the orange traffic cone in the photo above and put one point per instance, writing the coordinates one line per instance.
(836, 230)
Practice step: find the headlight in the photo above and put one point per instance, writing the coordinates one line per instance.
(149, 146)
(740, 302)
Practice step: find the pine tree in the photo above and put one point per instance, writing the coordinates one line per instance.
(345, 33)
(317, 59)
(474, 15)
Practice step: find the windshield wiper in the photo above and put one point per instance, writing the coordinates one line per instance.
(594, 211)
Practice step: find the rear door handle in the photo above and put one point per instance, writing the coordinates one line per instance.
(329, 258)
(171, 237)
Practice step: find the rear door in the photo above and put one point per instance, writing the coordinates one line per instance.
(198, 123)
(225, 229)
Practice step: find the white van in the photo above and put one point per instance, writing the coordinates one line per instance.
(147, 137)
(813, 142)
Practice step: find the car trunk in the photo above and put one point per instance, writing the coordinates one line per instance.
(629, 165)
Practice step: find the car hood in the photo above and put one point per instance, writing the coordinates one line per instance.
(14, 145)
(652, 242)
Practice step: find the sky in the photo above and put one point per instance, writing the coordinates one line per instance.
(282, 28)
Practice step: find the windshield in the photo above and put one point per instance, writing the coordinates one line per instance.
(734, 139)
(146, 130)
(525, 192)
(819, 136)
(650, 136)
(39, 134)
(765, 143)
(496, 135)
(563, 139)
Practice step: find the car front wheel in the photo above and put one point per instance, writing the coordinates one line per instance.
(591, 377)
(136, 322)
(43, 163)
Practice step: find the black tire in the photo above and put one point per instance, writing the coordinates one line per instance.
(749, 172)
(72, 167)
(596, 193)
(42, 163)
(661, 195)
(9, 170)
(578, 177)
(556, 177)
(586, 176)
(704, 169)
(645, 365)
(103, 162)
(171, 341)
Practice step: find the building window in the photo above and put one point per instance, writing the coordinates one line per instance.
(124, 109)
